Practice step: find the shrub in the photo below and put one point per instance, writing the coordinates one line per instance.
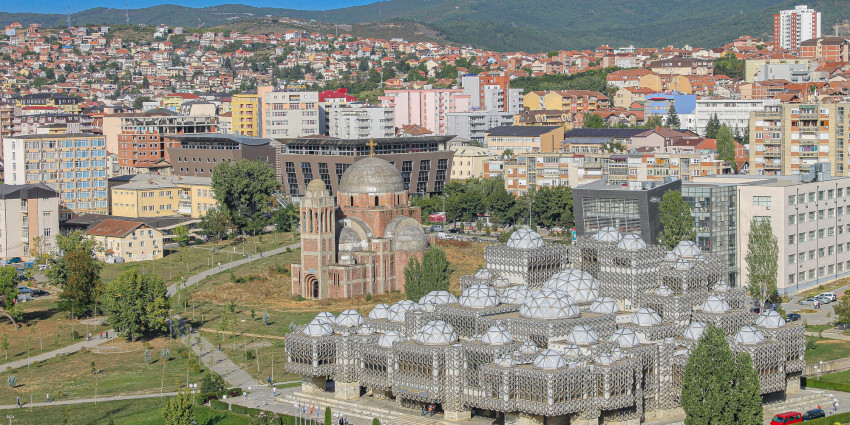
(376, 421)
(212, 383)
(811, 342)
(824, 385)
(12, 380)
(219, 405)
(196, 368)
(235, 408)
(266, 319)
(368, 297)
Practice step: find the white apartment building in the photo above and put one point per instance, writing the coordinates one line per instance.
(26, 212)
(426, 107)
(472, 125)
(735, 113)
(289, 113)
(360, 122)
(792, 27)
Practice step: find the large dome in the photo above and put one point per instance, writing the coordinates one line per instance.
(582, 335)
(349, 318)
(646, 317)
(479, 296)
(371, 175)
(411, 239)
(525, 238)
(749, 335)
(318, 328)
(631, 243)
(579, 284)
(625, 338)
(380, 311)
(716, 304)
(604, 305)
(399, 310)
(437, 298)
(497, 335)
(608, 234)
(436, 332)
(770, 319)
(549, 360)
(687, 249)
(549, 304)
(515, 295)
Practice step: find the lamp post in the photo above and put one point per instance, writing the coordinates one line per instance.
(820, 369)
(10, 417)
(818, 372)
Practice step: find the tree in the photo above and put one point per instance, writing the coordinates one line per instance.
(594, 121)
(136, 304)
(676, 220)
(181, 235)
(712, 126)
(706, 386)
(178, 410)
(138, 102)
(842, 311)
(653, 121)
(729, 65)
(212, 383)
(726, 145)
(762, 259)
(57, 274)
(328, 416)
(552, 206)
(243, 190)
(673, 118)
(80, 289)
(9, 293)
(285, 217)
(431, 275)
(746, 392)
(216, 225)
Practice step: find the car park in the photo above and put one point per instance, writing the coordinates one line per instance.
(813, 414)
(40, 293)
(823, 299)
(24, 290)
(807, 301)
(792, 317)
(832, 295)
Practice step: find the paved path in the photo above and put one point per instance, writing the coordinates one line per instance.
(73, 348)
(219, 363)
(818, 317)
(87, 400)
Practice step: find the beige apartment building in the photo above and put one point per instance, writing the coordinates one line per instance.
(523, 139)
(469, 162)
(288, 113)
(152, 195)
(29, 220)
(127, 240)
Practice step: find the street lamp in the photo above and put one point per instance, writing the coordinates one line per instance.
(820, 369)
(10, 417)
(818, 372)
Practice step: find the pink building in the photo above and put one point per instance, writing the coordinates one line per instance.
(426, 107)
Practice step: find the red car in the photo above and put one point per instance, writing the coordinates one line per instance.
(787, 418)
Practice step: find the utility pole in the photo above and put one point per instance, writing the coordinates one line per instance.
(127, 12)
(68, 21)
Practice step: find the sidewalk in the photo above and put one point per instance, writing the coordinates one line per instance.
(218, 362)
(73, 348)
(85, 400)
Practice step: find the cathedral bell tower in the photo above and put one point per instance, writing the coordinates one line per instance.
(318, 244)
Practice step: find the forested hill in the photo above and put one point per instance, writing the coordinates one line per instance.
(509, 25)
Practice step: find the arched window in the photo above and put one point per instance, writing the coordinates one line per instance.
(376, 201)
(352, 200)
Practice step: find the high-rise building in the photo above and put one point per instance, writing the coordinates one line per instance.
(245, 114)
(360, 122)
(792, 27)
(28, 212)
(473, 125)
(491, 93)
(426, 108)
(288, 113)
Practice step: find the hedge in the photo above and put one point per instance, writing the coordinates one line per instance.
(219, 405)
(235, 408)
(830, 420)
(254, 412)
(824, 385)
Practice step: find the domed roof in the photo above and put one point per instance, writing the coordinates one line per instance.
(485, 274)
(579, 284)
(528, 347)
(721, 286)
(436, 332)
(608, 234)
(670, 256)
(438, 298)
(525, 238)
(770, 319)
(604, 359)
(604, 305)
(411, 239)
(500, 282)
(479, 296)
(687, 249)
(549, 360)
(505, 360)
(388, 339)
(694, 331)
(497, 335)
(749, 335)
(617, 353)
(365, 330)
(515, 294)
(631, 243)
(400, 309)
(582, 335)
(682, 265)
(318, 328)
(572, 350)
(646, 317)
(371, 175)
(716, 304)
(380, 311)
(663, 291)
(349, 318)
(549, 304)
(326, 317)
(625, 338)
(316, 185)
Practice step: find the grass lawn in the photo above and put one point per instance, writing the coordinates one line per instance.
(837, 377)
(828, 349)
(255, 356)
(827, 287)
(465, 258)
(817, 328)
(136, 412)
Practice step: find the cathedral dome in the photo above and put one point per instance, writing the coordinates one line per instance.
(371, 175)
(411, 239)
(316, 185)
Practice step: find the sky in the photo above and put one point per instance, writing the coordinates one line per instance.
(61, 6)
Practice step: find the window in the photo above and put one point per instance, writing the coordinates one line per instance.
(820, 233)
(811, 235)
(801, 218)
(812, 274)
(821, 252)
(821, 214)
(811, 196)
(791, 278)
(830, 194)
(801, 198)
(762, 201)
(47, 232)
(840, 192)
(830, 213)
(791, 219)
(791, 258)
(820, 195)
(790, 239)
(830, 231)
(801, 257)
(791, 200)
(812, 254)
(811, 216)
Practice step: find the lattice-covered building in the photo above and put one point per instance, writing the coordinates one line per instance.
(562, 349)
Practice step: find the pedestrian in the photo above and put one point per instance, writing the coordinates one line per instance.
(340, 420)
(219, 265)
(101, 334)
(47, 398)
(274, 391)
(107, 334)
(219, 346)
(819, 406)
(18, 400)
(345, 420)
(423, 410)
(270, 380)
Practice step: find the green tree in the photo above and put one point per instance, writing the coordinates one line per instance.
(730, 66)
(726, 145)
(706, 386)
(243, 190)
(212, 383)
(57, 274)
(178, 410)
(673, 118)
(653, 121)
(139, 102)
(136, 303)
(842, 311)
(181, 235)
(285, 217)
(329, 419)
(746, 392)
(594, 121)
(80, 289)
(9, 293)
(676, 220)
(762, 259)
(431, 275)
(712, 127)
(216, 225)
(552, 206)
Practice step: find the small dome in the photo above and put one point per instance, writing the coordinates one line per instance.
(497, 335)
(485, 274)
(608, 234)
(579, 284)
(687, 249)
(515, 295)
(386, 340)
(326, 317)
(749, 335)
(365, 330)
(549, 304)
(604, 305)
(349, 318)
(438, 298)
(716, 304)
(505, 360)
(604, 360)
(411, 239)
(572, 351)
(400, 309)
(500, 282)
(770, 319)
(380, 311)
(694, 331)
(436, 332)
(682, 265)
(582, 335)
(525, 238)
(479, 296)
(617, 353)
(549, 360)
(528, 347)
(646, 317)
(625, 338)
(663, 291)
(318, 328)
(316, 185)
(371, 175)
(721, 286)
(632, 243)
(670, 256)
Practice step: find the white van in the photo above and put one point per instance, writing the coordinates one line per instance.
(830, 295)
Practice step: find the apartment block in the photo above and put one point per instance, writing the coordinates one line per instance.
(523, 139)
(360, 122)
(426, 108)
(40, 103)
(138, 138)
(469, 162)
(474, 125)
(72, 164)
(245, 114)
(154, 195)
(128, 241)
(197, 154)
(714, 207)
(735, 113)
(29, 220)
(492, 93)
(288, 113)
(826, 49)
(792, 27)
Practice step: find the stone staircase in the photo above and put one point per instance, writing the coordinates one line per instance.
(800, 402)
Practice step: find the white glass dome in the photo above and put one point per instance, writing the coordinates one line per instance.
(528, 347)
(663, 291)
(670, 256)
(721, 286)
(572, 351)
(500, 282)
(646, 317)
(505, 360)
(631, 243)
(604, 360)
(604, 305)
(770, 319)
(694, 331)
(687, 249)
(580, 285)
(549, 304)
(497, 335)
(617, 353)
(608, 234)
(479, 296)
(386, 340)
(682, 265)
(400, 309)
(436, 332)
(625, 338)
(318, 328)
(525, 238)
(438, 298)
(749, 335)
(485, 274)
(515, 294)
(326, 317)
(349, 318)
(549, 360)
(582, 335)
(716, 304)
(380, 311)
(365, 330)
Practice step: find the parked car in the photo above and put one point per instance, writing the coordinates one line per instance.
(813, 414)
(43, 267)
(792, 317)
(22, 298)
(807, 301)
(14, 260)
(787, 418)
(40, 293)
(24, 290)
(831, 295)
(823, 299)
(454, 230)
